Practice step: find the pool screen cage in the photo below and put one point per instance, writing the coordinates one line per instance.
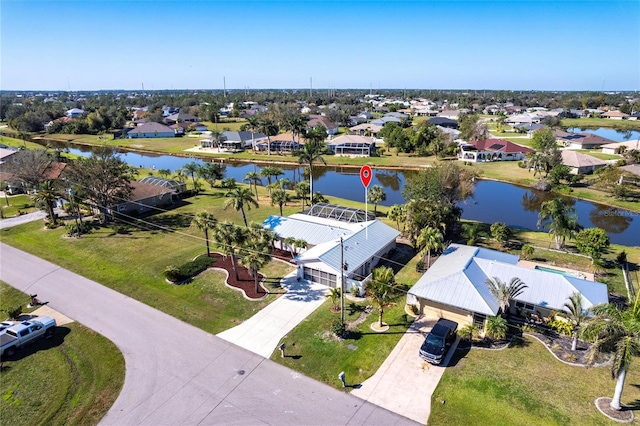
(343, 214)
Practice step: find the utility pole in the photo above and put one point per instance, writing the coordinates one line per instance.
(224, 86)
(342, 281)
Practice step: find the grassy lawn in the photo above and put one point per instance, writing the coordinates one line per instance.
(601, 122)
(20, 202)
(599, 155)
(312, 349)
(72, 378)
(523, 385)
(132, 261)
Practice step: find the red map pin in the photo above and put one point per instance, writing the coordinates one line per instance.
(365, 175)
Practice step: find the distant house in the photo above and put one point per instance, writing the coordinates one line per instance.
(240, 140)
(352, 145)
(151, 130)
(321, 120)
(634, 116)
(618, 147)
(144, 198)
(7, 153)
(182, 128)
(386, 119)
(284, 142)
(632, 168)
(529, 128)
(74, 113)
(581, 164)
(180, 117)
(614, 115)
(493, 150)
(452, 114)
(455, 287)
(366, 129)
(176, 186)
(443, 122)
(581, 140)
(366, 241)
(526, 118)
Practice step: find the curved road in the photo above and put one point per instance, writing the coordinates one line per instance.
(178, 374)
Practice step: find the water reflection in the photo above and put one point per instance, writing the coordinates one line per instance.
(389, 179)
(611, 219)
(532, 200)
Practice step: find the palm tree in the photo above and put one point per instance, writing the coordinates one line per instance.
(472, 232)
(191, 169)
(576, 315)
(310, 154)
(560, 218)
(280, 197)
(215, 138)
(256, 255)
(504, 292)
(383, 290)
(302, 189)
(253, 177)
(205, 221)
(164, 172)
(617, 331)
(211, 172)
(269, 128)
(253, 126)
(290, 241)
(496, 327)
(239, 198)
(297, 125)
(398, 213)
(300, 244)
(47, 195)
(230, 236)
(376, 195)
(430, 239)
(334, 295)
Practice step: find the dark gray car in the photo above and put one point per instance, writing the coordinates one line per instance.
(438, 341)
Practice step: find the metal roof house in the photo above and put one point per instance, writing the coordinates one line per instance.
(364, 244)
(455, 286)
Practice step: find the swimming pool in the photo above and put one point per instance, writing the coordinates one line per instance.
(556, 271)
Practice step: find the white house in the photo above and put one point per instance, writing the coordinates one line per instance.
(365, 242)
(74, 113)
(455, 287)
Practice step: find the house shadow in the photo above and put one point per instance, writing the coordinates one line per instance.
(41, 345)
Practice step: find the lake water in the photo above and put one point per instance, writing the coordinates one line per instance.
(614, 135)
(492, 201)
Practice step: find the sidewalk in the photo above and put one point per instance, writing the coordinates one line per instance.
(262, 332)
(23, 218)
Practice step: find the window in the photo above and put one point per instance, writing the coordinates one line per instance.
(525, 306)
(320, 277)
(478, 320)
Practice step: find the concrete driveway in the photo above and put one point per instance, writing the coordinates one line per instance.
(262, 332)
(178, 374)
(404, 382)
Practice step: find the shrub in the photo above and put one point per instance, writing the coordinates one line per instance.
(414, 309)
(420, 266)
(562, 327)
(355, 290)
(527, 251)
(570, 357)
(468, 332)
(72, 228)
(496, 327)
(529, 328)
(14, 313)
(338, 328)
(187, 270)
(621, 258)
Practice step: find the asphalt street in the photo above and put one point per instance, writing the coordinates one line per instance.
(178, 374)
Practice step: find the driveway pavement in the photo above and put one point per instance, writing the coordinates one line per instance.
(178, 374)
(262, 332)
(404, 382)
(23, 218)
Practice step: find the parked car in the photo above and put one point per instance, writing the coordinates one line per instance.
(438, 341)
(25, 333)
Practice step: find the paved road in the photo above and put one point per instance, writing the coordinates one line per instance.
(178, 374)
(23, 218)
(262, 332)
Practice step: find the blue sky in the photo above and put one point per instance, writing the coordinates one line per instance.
(511, 45)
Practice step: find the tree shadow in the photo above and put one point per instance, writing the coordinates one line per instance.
(41, 345)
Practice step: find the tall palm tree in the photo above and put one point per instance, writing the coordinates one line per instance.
(617, 331)
(205, 221)
(383, 290)
(576, 315)
(311, 153)
(164, 172)
(560, 219)
(253, 125)
(256, 253)
(280, 197)
(253, 178)
(290, 241)
(230, 237)
(297, 126)
(239, 198)
(334, 295)
(430, 239)
(215, 138)
(376, 195)
(47, 195)
(505, 292)
(191, 169)
(269, 128)
(300, 244)
(397, 213)
(302, 189)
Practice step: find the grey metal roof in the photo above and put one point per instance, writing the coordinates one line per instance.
(458, 279)
(300, 227)
(361, 246)
(243, 136)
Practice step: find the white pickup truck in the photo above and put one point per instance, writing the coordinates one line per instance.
(24, 333)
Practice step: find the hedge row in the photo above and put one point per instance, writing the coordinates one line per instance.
(184, 272)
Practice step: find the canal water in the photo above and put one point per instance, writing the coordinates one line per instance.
(492, 201)
(613, 134)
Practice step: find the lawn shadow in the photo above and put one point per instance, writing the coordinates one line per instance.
(461, 351)
(293, 356)
(41, 345)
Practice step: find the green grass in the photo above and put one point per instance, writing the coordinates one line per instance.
(132, 261)
(599, 155)
(601, 122)
(21, 202)
(71, 379)
(523, 385)
(312, 348)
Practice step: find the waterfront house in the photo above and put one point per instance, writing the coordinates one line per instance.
(455, 286)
